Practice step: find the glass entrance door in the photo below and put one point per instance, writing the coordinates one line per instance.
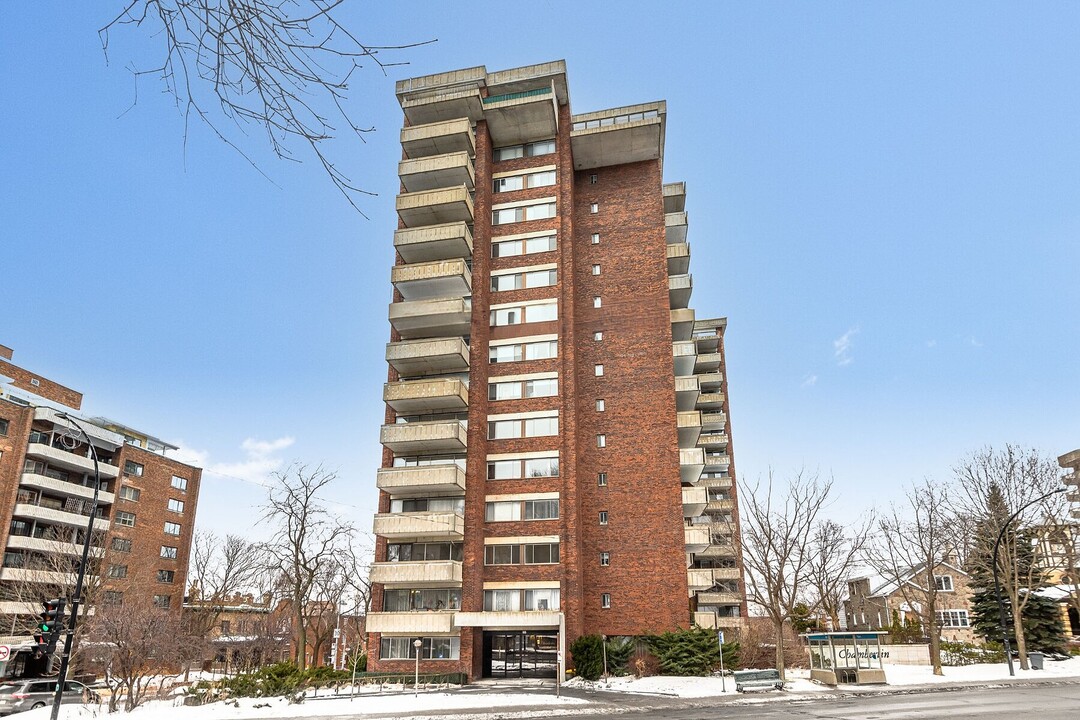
(520, 654)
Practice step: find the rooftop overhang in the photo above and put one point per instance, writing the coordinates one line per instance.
(439, 278)
(617, 136)
(521, 117)
(439, 138)
(515, 80)
(434, 207)
(437, 171)
(434, 242)
(674, 197)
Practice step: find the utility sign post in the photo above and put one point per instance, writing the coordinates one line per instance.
(720, 639)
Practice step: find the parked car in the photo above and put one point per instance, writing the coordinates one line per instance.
(19, 695)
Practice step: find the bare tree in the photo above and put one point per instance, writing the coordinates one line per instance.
(219, 569)
(283, 66)
(997, 484)
(306, 554)
(834, 553)
(914, 538)
(777, 529)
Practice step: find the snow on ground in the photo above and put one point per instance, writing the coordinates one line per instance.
(924, 674)
(368, 704)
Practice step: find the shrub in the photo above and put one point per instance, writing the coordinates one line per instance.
(692, 652)
(588, 652)
(958, 653)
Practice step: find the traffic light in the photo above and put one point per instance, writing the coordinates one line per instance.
(51, 625)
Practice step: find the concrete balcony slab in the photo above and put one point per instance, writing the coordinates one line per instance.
(436, 317)
(420, 526)
(419, 623)
(524, 619)
(675, 225)
(437, 436)
(422, 481)
(696, 538)
(691, 464)
(520, 117)
(437, 171)
(694, 500)
(416, 397)
(428, 356)
(678, 259)
(680, 287)
(435, 279)
(436, 573)
(674, 197)
(689, 427)
(682, 320)
(686, 393)
(451, 104)
(43, 482)
(438, 138)
(434, 207)
(618, 136)
(434, 242)
(70, 461)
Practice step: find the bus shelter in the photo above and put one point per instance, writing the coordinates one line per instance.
(846, 658)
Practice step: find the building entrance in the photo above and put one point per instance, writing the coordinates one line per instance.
(521, 654)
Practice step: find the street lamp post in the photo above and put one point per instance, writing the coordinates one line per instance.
(997, 585)
(417, 643)
(65, 657)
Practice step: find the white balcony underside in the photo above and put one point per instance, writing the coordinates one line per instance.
(508, 620)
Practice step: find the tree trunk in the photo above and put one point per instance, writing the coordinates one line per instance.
(301, 640)
(778, 630)
(935, 649)
(1018, 630)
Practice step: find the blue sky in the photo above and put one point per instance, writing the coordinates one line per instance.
(884, 200)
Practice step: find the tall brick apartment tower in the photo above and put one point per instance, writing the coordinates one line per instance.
(146, 507)
(555, 448)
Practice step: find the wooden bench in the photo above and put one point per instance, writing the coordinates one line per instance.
(747, 679)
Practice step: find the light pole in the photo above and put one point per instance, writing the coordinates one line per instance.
(997, 585)
(417, 643)
(65, 657)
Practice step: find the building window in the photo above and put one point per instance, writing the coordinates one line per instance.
(527, 427)
(594, 208)
(598, 335)
(422, 599)
(595, 269)
(605, 601)
(953, 618)
(527, 246)
(112, 597)
(527, 468)
(592, 179)
(601, 440)
(523, 280)
(595, 238)
(600, 405)
(121, 544)
(129, 493)
(544, 178)
(172, 528)
(542, 312)
(517, 389)
(544, 350)
(431, 648)
(179, 483)
(943, 583)
(605, 559)
(598, 370)
(162, 601)
(523, 213)
(166, 576)
(133, 468)
(126, 519)
(510, 510)
(502, 555)
(168, 552)
(596, 301)
(224, 627)
(601, 479)
(118, 571)
(176, 506)
(603, 517)
(3, 426)
(533, 554)
(533, 149)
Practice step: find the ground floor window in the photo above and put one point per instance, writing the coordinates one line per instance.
(433, 648)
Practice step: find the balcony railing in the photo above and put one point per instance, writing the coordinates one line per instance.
(438, 573)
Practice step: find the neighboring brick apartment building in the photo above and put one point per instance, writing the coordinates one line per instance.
(146, 507)
(556, 449)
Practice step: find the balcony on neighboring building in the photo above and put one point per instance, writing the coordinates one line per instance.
(682, 320)
(449, 103)
(64, 487)
(70, 461)
(674, 197)
(675, 225)
(432, 437)
(437, 525)
(684, 355)
(434, 242)
(428, 395)
(617, 136)
(432, 573)
(422, 480)
(432, 318)
(689, 427)
(437, 171)
(520, 117)
(434, 207)
(691, 464)
(686, 393)
(435, 279)
(694, 500)
(679, 289)
(696, 537)
(412, 358)
(678, 258)
(438, 138)
(422, 622)
(719, 598)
